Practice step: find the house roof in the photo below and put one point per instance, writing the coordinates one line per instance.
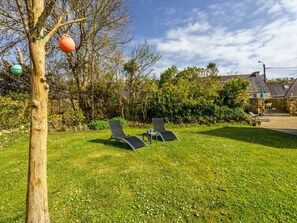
(255, 79)
(292, 92)
(278, 89)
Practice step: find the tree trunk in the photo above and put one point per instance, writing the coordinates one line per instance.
(83, 101)
(37, 200)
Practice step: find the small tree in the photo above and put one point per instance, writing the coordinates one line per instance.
(136, 72)
(212, 69)
(168, 75)
(235, 93)
(27, 23)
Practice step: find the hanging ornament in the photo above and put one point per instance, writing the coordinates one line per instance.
(66, 44)
(17, 69)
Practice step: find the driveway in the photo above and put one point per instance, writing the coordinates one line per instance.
(286, 124)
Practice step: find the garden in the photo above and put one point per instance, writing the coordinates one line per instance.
(65, 72)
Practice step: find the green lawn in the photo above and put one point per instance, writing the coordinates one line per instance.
(223, 173)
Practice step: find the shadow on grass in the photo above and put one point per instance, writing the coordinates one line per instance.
(113, 143)
(261, 136)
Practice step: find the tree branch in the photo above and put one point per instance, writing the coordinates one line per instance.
(20, 55)
(59, 25)
(11, 44)
(73, 21)
(30, 11)
(24, 19)
(45, 13)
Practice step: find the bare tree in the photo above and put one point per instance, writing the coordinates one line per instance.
(99, 44)
(33, 14)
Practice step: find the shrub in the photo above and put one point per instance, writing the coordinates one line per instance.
(18, 96)
(98, 124)
(55, 120)
(123, 121)
(73, 117)
(64, 128)
(235, 93)
(11, 113)
(203, 112)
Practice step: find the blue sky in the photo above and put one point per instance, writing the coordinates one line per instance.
(233, 34)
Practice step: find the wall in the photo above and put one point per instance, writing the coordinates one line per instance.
(291, 105)
(256, 105)
(277, 103)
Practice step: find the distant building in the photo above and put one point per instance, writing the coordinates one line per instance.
(292, 92)
(257, 87)
(278, 90)
(283, 90)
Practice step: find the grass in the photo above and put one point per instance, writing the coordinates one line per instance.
(222, 173)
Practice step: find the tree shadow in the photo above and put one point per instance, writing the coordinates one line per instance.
(113, 143)
(261, 136)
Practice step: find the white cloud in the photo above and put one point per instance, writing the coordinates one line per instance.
(168, 11)
(290, 6)
(203, 39)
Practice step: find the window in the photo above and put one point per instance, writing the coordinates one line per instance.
(286, 86)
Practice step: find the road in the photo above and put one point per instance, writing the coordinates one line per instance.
(286, 124)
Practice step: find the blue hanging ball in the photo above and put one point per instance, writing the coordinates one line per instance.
(17, 69)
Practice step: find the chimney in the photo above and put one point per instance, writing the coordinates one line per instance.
(255, 74)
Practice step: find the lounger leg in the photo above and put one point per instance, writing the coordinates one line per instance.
(108, 139)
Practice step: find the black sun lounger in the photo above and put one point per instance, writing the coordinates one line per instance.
(118, 134)
(159, 127)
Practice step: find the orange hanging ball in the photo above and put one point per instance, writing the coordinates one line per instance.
(66, 44)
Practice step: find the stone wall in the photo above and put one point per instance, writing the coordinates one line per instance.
(278, 103)
(256, 105)
(291, 105)
(287, 104)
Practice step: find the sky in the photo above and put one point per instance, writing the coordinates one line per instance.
(233, 34)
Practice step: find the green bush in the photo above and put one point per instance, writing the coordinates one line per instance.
(55, 120)
(19, 96)
(201, 112)
(123, 121)
(11, 113)
(98, 124)
(73, 117)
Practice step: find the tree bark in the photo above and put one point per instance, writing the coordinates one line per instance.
(37, 198)
(34, 20)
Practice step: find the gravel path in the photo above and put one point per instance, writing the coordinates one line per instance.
(286, 124)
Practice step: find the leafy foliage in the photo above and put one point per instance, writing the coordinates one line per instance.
(235, 93)
(123, 121)
(12, 113)
(69, 118)
(137, 72)
(190, 96)
(98, 124)
(103, 124)
(55, 120)
(73, 117)
(168, 75)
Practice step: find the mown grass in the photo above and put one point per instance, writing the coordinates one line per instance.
(223, 173)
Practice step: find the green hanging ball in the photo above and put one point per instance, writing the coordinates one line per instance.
(17, 69)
